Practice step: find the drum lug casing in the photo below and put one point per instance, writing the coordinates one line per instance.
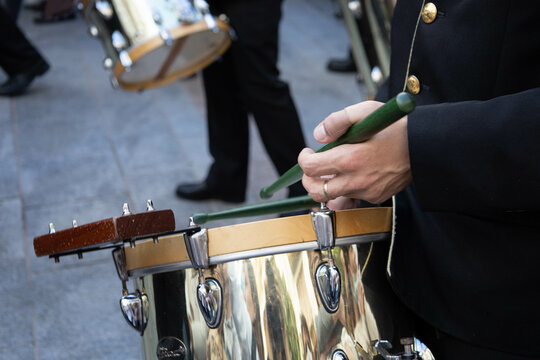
(210, 300)
(327, 276)
(163, 33)
(135, 310)
(166, 37)
(125, 60)
(324, 226)
(134, 306)
(209, 293)
(118, 41)
(105, 9)
(328, 282)
(119, 257)
(203, 7)
(197, 248)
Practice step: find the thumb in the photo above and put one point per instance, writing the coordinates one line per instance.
(337, 123)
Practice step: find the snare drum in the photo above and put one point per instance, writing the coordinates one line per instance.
(150, 43)
(268, 291)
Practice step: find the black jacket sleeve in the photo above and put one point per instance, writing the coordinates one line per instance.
(485, 154)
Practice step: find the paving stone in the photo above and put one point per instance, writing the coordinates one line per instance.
(64, 179)
(54, 96)
(17, 317)
(9, 181)
(5, 111)
(78, 314)
(11, 230)
(21, 352)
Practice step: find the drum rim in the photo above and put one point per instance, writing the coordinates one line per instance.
(253, 254)
(353, 226)
(156, 42)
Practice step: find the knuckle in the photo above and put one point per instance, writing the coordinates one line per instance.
(334, 124)
(308, 166)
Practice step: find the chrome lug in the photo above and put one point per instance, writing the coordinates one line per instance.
(328, 282)
(210, 301)
(135, 310)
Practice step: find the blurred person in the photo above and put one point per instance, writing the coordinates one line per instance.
(12, 7)
(462, 170)
(54, 11)
(347, 64)
(19, 59)
(246, 81)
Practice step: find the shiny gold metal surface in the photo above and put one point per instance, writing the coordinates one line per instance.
(429, 13)
(272, 301)
(271, 309)
(413, 84)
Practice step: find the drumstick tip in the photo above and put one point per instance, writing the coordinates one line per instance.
(264, 193)
(199, 218)
(405, 102)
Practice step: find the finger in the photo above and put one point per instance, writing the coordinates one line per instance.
(314, 187)
(341, 203)
(340, 187)
(305, 153)
(357, 187)
(337, 123)
(359, 111)
(333, 161)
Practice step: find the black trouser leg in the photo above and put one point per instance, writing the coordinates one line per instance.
(228, 128)
(16, 53)
(253, 58)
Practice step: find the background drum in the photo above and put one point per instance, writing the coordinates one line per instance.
(150, 43)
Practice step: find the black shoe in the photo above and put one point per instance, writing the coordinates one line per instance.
(201, 191)
(39, 6)
(70, 15)
(342, 65)
(18, 83)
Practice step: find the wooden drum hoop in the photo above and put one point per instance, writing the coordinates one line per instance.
(258, 238)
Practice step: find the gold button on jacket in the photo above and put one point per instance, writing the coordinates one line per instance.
(429, 13)
(413, 84)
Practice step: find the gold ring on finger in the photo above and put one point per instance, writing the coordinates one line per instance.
(325, 190)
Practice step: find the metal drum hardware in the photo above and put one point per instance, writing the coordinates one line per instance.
(327, 275)
(135, 310)
(288, 288)
(209, 294)
(409, 353)
(339, 355)
(135, 305)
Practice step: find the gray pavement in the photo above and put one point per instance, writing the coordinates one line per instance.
(74, 148)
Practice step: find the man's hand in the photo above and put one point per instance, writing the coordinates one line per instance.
(372, 171)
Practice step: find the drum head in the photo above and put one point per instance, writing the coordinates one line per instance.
(194, 47)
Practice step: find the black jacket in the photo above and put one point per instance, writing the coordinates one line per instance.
(466, 249)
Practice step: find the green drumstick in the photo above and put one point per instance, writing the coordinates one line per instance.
(291, 204)
(397, 107)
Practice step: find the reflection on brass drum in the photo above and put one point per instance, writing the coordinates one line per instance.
(150, 43)
(301, 287)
